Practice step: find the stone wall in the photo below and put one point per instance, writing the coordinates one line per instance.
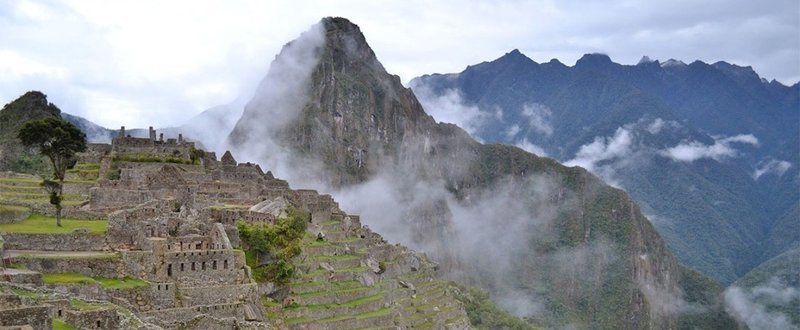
(157, 296)
(230, 216)
(144, 265)
(76, 241)
(101, 197)
(93, 319)
(58, 307)
(219, 294)
(210, 266)
(185, 314)
(9, 301)
(94, 152)
(38, 317)
(85, 291)
(22, 276)
(93, 267)
(14, 215)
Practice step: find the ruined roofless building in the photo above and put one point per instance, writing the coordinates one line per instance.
(133, 146)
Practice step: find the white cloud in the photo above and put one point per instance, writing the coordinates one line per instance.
(659, 124)
(538, 118)
(778, 167)
(721, 149)
(751, 305)
(605, 156)
(449, 107)
(603, 149)
(526, 145)
(512, 132)
(15, 66)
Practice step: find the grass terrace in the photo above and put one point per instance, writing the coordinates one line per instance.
(43, 224)
(13, 210)
(230, 207)
(151, 158)
(108, 283)
(59, 324)
(84, 173)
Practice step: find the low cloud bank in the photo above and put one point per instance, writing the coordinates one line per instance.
(764, 306)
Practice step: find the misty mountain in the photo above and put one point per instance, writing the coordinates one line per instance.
(768, 297)
(551, 243)
(710, 151)
(14, 156)
(94, 133)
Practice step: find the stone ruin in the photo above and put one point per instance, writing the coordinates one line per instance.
(173, 225)
(126, 145)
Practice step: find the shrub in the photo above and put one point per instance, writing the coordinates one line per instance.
(280, 240)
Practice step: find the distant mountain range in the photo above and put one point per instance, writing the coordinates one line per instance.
(710, 151)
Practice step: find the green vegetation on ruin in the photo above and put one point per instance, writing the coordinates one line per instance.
(25, 189)
(88, 306)
(151, 158)
(108, 283)
(26, 293)
(229, 207)
(280, 240)
(43, 224)
(86, 172)
(123, 283)
(59, 324)
(98, 255)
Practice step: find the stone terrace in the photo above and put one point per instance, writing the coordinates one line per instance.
(172, 233)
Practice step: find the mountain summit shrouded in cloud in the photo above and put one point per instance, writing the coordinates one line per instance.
(543, 238)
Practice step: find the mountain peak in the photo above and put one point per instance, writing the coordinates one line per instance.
(514, 56)
(33, 104)
(646, 60)
(515, 53)
(673, 63)
(344, 40)
(737, 72)
(593, 60)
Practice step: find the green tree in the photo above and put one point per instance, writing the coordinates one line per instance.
(58, 140)
(196, 154)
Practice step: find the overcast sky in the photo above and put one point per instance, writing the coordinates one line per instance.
(142, 63)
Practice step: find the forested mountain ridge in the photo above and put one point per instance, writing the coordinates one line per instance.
(710, 151)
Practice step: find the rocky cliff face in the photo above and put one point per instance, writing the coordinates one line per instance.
(549, 242)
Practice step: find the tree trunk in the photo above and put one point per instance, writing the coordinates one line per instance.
(60, 191)
(58, 215)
